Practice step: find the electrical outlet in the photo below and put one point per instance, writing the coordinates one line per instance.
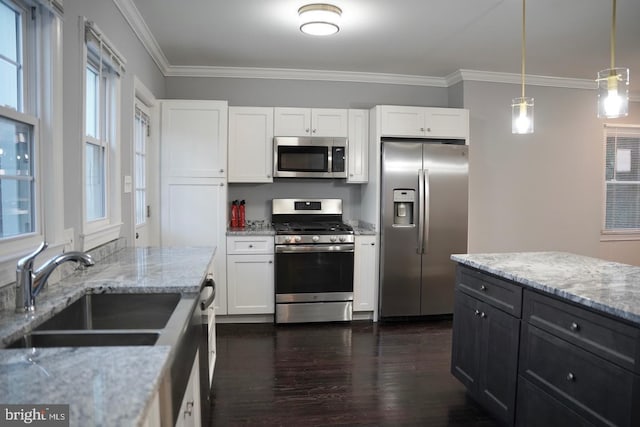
(69, 244)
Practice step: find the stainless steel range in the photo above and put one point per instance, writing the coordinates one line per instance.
(314, 261)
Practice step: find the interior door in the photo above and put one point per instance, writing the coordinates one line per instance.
(141, 174)
(446, 171)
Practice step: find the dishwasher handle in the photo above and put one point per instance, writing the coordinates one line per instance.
(209, 282)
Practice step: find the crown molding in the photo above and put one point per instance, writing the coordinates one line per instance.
(512, 78)
(135, 20)
(298, 74)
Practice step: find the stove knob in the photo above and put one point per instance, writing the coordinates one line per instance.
(287, 239)
(342, 238)
(315, 239)
(333, 238)
(297, 239)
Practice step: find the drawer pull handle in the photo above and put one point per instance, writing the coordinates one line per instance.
(574, 327)
(571, 377)
(250, 246)
(483, 288)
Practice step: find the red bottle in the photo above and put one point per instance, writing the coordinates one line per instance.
(241, 218)
(235, 214)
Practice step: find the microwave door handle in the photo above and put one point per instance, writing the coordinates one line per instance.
(329, 159)
(420, 210)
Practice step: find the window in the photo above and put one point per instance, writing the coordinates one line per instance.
(18, 125)
(140, 134)
(103, 68)
(622, 179)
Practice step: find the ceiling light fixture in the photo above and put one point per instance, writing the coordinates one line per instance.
(613, 83)
(522, 107)
(319, 19)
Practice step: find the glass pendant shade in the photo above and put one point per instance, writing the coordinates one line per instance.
(319, 19)
(613, 93)
(522, 115)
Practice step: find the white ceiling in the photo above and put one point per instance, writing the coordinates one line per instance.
(565, 38)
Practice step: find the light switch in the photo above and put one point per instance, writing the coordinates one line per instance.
(127, 183)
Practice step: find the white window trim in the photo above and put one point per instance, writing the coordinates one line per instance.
(101, 231)
(45, 100)
(613, 235)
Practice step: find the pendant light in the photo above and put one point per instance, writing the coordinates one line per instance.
(522, 107)
(613, 83)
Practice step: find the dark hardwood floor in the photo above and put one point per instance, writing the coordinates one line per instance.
(339, 374)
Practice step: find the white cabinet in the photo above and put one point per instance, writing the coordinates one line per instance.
(365, 273)
(189, 413)
(425, 122)
(331, 122)
(250, 144)
(193, 205)
(152, 417)
(250, 275)
(358, 156)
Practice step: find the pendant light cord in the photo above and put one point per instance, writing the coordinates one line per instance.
(524, 47)
(613, 37)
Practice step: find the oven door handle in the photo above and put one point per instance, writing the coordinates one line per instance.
(292, 249)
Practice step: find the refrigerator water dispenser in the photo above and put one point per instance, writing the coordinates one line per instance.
(403, 201)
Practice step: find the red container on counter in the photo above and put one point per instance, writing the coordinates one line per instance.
(235, 214)
(241, 215)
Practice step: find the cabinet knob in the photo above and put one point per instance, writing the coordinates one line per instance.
(477, 313)
(571, 377)
(250, 246)
(268, 176)
(483, 315)
(428, 129)
(306, 130)
(314, 131)
(483, 288)
(270, 262)
(222, 184)
(221, 170)
(574, 327)
(350, 174)
(421, 129)
(373, 244)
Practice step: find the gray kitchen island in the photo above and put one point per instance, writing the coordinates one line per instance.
(548, 338)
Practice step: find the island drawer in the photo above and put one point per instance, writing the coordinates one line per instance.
(244, 245)
(596, 389)
(500, 293)
(538, 409)
(599, 334)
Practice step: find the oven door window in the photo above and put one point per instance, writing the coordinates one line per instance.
(303, 159)
(314, 272)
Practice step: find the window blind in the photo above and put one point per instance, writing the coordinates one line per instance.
(54, 6)
(622, 179)
(100, 46)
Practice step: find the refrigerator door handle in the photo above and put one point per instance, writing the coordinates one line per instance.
(427, 208)
(420, 213)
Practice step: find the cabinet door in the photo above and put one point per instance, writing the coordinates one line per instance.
(329, 122)
(465, 360)
(402, 121)
(499, 345)
(250, 284)
(446, 123)
(189, 413)
(194, 138)
(292, 122)
(365, 269)
(358, 167)
(250, 144)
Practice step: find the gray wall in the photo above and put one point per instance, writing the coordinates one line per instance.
(109, 19)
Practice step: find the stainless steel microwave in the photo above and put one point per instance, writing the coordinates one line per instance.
(309, 157)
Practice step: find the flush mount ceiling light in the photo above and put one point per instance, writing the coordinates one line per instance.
(522, 107)
(319, 19)
(613, 83)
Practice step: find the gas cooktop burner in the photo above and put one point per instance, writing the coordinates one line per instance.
(313, 228)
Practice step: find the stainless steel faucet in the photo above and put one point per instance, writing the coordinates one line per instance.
(29, 283)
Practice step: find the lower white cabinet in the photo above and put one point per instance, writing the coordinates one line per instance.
(250, 275)
(189, 414)
(365, 274)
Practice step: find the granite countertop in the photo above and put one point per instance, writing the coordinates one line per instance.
(103, 385)
(605, 286)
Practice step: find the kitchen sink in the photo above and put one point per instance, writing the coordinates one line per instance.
(61, 339)
(115, 311)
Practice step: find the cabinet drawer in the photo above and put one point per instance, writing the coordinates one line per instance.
(497, 292)
(608, 338)
(595, 388)
(249, 245)
(537, 409)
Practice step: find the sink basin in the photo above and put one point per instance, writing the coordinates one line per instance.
(115, 311)
(85, 339)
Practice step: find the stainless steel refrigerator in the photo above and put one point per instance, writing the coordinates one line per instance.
(424, 204)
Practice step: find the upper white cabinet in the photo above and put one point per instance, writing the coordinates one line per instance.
(424, 122)
(358, 156)
(197, 132)
(250, 144)
(330, 122)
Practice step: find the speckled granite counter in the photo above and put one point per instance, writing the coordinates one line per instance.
(109, 386)
(263, 231)
(606, 286)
